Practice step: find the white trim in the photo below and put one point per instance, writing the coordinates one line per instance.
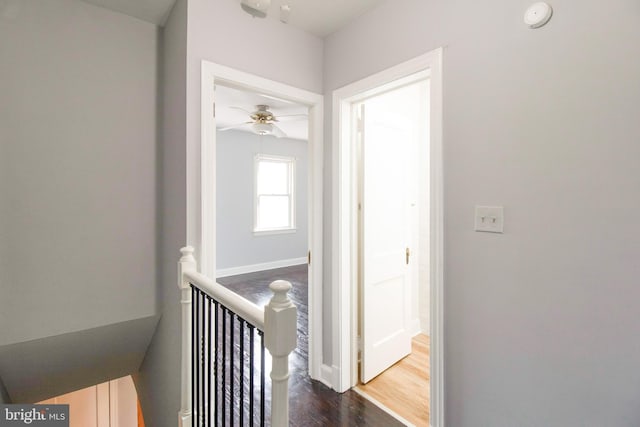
(234, 302)
(243, 269)
(343, 230)
(326, 375)
(114, 411)
(201, 184)
(425, 326)
(275, 231)
(415, 327)
(384, 407)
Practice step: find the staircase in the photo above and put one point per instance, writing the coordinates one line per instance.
(36, 370)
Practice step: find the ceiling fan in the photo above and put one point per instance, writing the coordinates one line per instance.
(263, 121)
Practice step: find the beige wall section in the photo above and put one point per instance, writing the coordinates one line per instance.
(541, 322)
(78, 147)
(110, 404)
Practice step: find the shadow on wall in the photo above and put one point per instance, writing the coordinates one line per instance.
(4, 396)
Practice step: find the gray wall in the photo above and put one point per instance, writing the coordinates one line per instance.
(236, 244)
(541, 323)
(4, 396)
(158, 382)
(287, 55)
(77, 130)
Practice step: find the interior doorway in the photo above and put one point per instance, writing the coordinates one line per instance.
(392, 141)
(388, 280)
(202, 182)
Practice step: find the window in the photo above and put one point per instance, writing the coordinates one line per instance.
(274, 202)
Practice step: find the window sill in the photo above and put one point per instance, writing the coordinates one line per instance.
(272, 232)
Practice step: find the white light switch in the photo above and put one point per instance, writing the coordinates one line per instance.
(490, 219)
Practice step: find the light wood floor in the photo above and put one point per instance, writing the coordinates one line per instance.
(404, 388)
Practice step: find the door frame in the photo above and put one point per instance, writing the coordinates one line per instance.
(201, 183)
(345, 232)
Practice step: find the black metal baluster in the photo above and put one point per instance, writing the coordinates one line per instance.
(210, 325)
(261, 378)
(224, 365)
(202, 349)
(196, 351)
(232, 351)
(241, 372)
(215, 365)
(193, 352)
(203, 373)
(251, 372)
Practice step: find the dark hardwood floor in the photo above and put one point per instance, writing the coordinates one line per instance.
(311, 402)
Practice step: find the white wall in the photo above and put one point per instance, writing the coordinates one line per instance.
(221, 32)
(78, 137)
(541, 322)
(237, 245)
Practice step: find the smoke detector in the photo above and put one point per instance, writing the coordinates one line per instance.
(256, 8)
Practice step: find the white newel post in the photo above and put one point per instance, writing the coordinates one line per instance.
(280, 333)
(187, 263)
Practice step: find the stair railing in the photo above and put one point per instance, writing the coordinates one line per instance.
(216, 323)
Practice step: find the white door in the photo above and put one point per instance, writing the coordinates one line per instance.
(385, 254)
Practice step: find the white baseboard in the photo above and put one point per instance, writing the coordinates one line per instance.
(225, 272)
(415, 327)
(326, 375)
(425, 325)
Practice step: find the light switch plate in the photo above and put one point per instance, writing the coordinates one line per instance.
(489, 219)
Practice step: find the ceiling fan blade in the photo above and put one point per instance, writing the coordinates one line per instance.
(234, 126)
(293, 117)
(277, 132)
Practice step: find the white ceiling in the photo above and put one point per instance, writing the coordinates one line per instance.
(319, 17)
(322, 17)
(227, 97)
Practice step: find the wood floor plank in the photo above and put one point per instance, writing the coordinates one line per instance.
(311, 402)
(404, 388)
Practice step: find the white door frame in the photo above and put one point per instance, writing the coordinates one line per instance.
(344, 231)
(201, 183)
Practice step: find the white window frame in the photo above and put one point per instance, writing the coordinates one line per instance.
(291, 162)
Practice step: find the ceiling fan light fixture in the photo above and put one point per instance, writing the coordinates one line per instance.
(262, 128)
(256, 8)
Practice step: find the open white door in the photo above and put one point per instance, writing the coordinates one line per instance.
(385, 253)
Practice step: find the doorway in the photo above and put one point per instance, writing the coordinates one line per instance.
(392, 143)
(202, 183)
(391, 330)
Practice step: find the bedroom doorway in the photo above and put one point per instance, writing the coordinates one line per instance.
(203, 185)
